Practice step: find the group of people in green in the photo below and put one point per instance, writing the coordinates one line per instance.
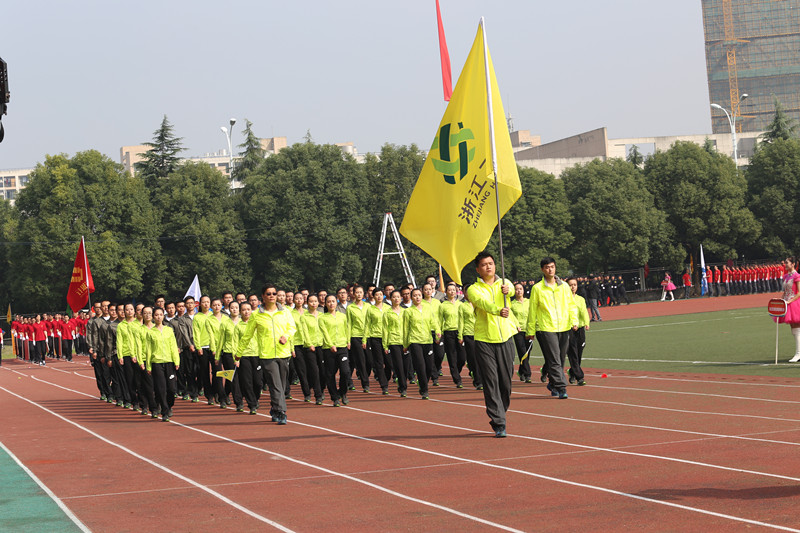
(231, 349)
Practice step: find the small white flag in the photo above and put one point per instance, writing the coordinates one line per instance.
(194, 290)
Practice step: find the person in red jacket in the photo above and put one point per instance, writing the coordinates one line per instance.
(687, 284)
(67, 336)
(39, 340)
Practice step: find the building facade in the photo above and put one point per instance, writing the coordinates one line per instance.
(752, 48)
(12, 181)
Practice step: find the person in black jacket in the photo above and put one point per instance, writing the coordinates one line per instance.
(622, 294)
(593, 294)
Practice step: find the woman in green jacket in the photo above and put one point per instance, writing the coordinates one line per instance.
(248, 363)
(448, 318)
(161, 354)
(466, 335)
(356, 315)
(373, 340)
(417, 327)
(393, 340)
(145, 378)
(311, 350)
(335, 342)
(519, 306)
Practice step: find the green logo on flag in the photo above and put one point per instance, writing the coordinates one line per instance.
(454, 152)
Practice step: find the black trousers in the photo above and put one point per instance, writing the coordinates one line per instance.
(422, 359)
(164, 383)
(97, 366)
(189, 361)
(307, 371)
(438, 355)
(118, 385)
(147, 398)
(225, 387)
(398, 362)
(250, 380)
(522, 352)
(66, 349)
(337, 361)
(469, 348)
(383, 371)
(577, 340)
(554, 349)
(130, 376)
(496, 363)
(205, 363)
(358, 361)
(456, 356)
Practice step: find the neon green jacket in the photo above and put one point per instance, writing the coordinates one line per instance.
(520, 309)
(335, 330)
(373, 323)
(583, 313)
(417, 326)
(297, 338)
(200, 331)
(489, 301)
(128, 340)
(160, 347)
(434, 305)
(309, 329)
(214, 328)
(551, 309)
(393, 328)
(355, 320)
(466, 320)
(448, 315)
(251, 350)
(224, 336)
(268, 328)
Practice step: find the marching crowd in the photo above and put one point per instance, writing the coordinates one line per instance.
(231, 349)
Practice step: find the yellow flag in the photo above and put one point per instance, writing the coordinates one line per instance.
(227, 374)
(452, 212)
(8, 315)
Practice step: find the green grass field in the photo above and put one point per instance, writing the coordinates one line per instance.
(722, 342)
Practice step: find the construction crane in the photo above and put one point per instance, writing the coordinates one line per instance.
(730, 44)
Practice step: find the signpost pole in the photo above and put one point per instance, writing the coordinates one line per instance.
(776, 308)
(776, 341)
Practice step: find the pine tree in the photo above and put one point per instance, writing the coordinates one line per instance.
(162, 158)
(781, 127)
(252, 154)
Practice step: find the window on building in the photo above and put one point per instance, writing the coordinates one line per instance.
(10, 195)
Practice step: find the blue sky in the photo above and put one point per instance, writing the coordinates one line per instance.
(100, 74)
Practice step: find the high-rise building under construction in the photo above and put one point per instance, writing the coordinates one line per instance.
(753, 49)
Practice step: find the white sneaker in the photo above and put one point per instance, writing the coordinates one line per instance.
(795, 359)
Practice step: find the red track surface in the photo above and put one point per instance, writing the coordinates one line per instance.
(661, 452)
(681, 306)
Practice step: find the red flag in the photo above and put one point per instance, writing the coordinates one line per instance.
(81, 283)
(447, 79)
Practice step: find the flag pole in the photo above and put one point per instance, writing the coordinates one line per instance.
(494, 152)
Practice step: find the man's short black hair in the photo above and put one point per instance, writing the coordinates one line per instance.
(546, 261)
(481, 256)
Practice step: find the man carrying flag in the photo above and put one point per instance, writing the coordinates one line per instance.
(468, 182)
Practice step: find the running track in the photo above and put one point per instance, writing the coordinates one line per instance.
(658, 452)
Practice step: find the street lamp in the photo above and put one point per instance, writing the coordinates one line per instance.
(230, 146)
(732, 122)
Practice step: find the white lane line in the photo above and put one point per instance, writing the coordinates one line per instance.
(296, 461)
(714, 382)
(151, 462)
(47, 491)
(505, 468)
(674, 361)
(686, 393)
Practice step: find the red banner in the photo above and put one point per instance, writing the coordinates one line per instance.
(447, 79)
(81, 283)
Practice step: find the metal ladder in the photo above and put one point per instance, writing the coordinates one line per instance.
(388, 219)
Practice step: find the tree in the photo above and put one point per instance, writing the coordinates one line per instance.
(781, 127)
(635, 157)
(202, 233)
(773, 177)
(86, 195)
(614, 218)
(162, 158)
(703, 196)
(307, 221)
(252, 154)
(535, 227)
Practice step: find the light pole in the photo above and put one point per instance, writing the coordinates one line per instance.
(732, 122)
(230, 146)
